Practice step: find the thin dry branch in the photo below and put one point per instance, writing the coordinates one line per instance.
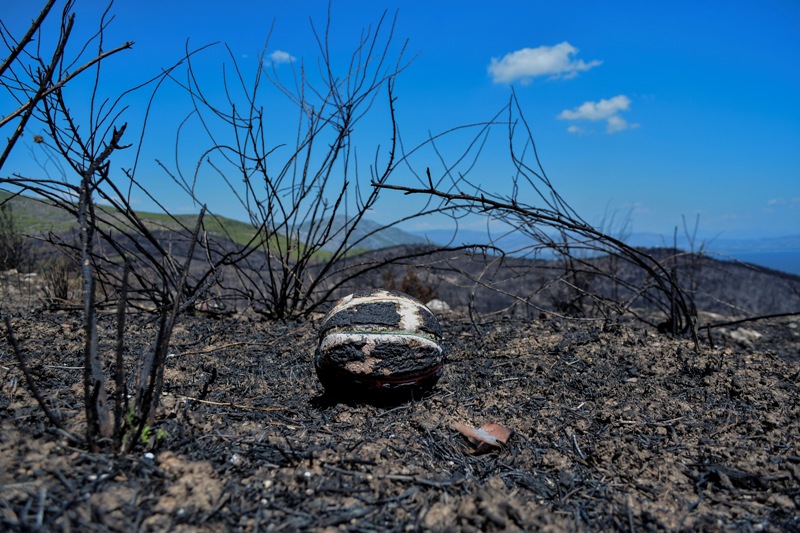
(558, 216)
(62, 82)
(32, 386)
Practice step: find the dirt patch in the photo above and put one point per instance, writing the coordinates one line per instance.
(615, 427)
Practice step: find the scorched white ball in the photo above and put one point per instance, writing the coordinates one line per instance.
(379, 341)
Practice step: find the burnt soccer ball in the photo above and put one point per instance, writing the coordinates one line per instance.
(379, 341)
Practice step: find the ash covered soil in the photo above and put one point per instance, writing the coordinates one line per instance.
(615, 428)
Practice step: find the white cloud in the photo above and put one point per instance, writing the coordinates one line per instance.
(616, 123)
(554, 61)
(605, 109)
(597, 110)
(279, 56)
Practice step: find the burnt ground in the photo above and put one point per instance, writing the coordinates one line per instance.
(615, 428)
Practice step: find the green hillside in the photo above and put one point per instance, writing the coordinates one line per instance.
(216, 226)
(36, 217)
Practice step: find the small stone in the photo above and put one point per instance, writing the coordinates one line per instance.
(438, 306)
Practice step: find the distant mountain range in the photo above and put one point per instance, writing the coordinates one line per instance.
(777, 253)
(366, 236)
(517, 241)
(723, 245)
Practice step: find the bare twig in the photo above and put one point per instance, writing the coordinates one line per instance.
(151, 369)
(62, 82)
(32, 383)
(748, 319)
(95, 394)
(120, 392)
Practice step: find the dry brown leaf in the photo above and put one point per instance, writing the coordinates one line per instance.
(490, 435)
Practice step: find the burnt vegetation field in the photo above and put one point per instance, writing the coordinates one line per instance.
(615, 425)
(157, 370)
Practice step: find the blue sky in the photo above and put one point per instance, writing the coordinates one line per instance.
(654, 109)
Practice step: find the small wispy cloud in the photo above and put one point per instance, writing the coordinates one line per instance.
(781, 203)
(616, 123)
(553, 61)
(279, 56)
(605, 109)
(637, 208)
(601, 110)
